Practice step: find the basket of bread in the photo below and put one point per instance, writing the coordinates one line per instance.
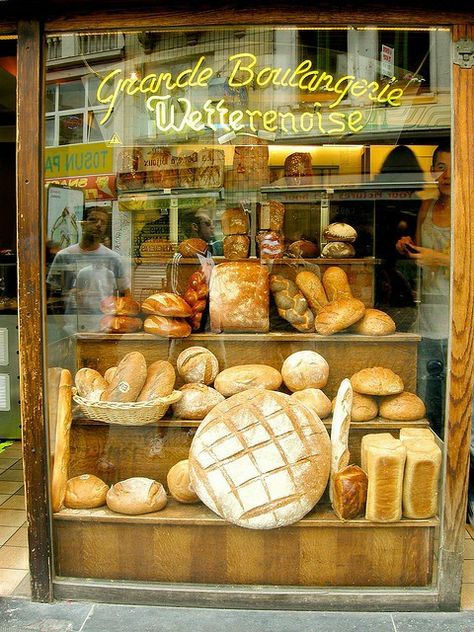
(129, 394)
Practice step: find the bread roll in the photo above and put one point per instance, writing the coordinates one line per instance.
(90, 384)
(315, 400)
(338, 315)
(260, 460)
(377, 380)
(239, 297)
(236, 247)
(305, 369)
(120, 324)
(160, 380)
(364, 407)
(166, 304)
(85, 492)
(291, 304)
(403, 407)
(312, 289)
(338, 250)
(385, 468)
(271, 215)
(119, 306)
(167, 327)
(240, 378)
(349, 492)
(136, 496)
(235, 221)
(338, 231)
(420, 484)
(197, 364)
(416, 433)
(303, 249)
(336, 284)
(128, 379)
(62, 446)
(179, 483)
(109, 374)
(341, 421)
(193, 247)
(375, 323)
(374, 439)
(196, 401)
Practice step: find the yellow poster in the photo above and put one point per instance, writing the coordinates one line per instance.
(78, 160)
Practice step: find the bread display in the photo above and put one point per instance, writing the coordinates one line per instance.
(160, 380)
(338, 231)
(315, 400)
(197, 364)
(298, 165)
(341, 421)
(305, 369)
(303, 249)
(236, 247)
(385, 468)
(179, 483)
(271, 245)
(193, 247)
(136, 496)
(402, 407)
(128, 379)
(119, 306)
(167, 327)
(375, 323)
(166, 304)
(62, 447)
(235, 221)
(196, 296)
(239, 297)
(336, 284)
(271, 216)
(260, 460)
(196, 401)
(338, 315)
(349, 492)
(311, 287)
(85, 492)
(90, 384)
(291, 304)
(120, 324)
(242, 377)
(377, 380)
(338, 250)
(421, 480)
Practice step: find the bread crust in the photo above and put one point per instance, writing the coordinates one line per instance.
(402, 407)
(338, 315)
(196, 401)
(166, 304)
(375, 323)
(197, 364)
(336, 284)
(242, 377)
(167, 327)
(128, 379)
(136, 496)
(159, 382)
(377, 380)
(305, 369)
(312, 289)
(179, 483)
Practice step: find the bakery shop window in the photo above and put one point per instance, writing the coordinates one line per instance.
(266, 293)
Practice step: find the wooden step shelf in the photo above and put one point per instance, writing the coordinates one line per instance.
(273, 336)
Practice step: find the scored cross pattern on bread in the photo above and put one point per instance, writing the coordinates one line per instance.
(260, 460)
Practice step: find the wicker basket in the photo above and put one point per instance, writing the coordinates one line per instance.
(127, 414)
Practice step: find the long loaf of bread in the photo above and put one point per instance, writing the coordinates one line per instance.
(341, 421)
(420, 484)
(61, 452)
(385, 468)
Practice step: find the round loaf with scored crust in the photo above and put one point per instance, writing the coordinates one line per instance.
(375, 323)
(240, 378)
(377, 380)
(260, 460)
(197, 364)
(305, 369)
(196, 401)
(315, 399)
(135, 496)
(339, 231)
(85, 492)
(338, 250)
(403, 407)
(179, 484)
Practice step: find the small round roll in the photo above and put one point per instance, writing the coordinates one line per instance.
(305, 369)
(85, 492)
(179, 483)
(197, 364)
(136, 496)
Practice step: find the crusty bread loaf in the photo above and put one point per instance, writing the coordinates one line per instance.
(339, 231)
(239, 297)
(166, 304)
(271, 245)
(315, 400)
(298, 165)
(135, 496)
(407, 434)
(167, 327)
(291, 304)
(312, 289)
(120, 324)
(303, 249)
(193, 247)
(338, 315)
(420, 484)
(374, 439)
(236, 247)
(109, 374)
(196, 401)
(236, 379)
(119, 306)
(160, 380)
(62, 446)
(338, 250)
(128, 379)
(377, 380)
(260, 460)
(85, 492)
(179, 483)
(90, 384)
(402, 407)
(385, 468)
(197, 364)
(364, 407)
(375, 323)
(349, 492)
(305, 369)
(336, 284)
(271, 215)
(235, 221)
(341, 421)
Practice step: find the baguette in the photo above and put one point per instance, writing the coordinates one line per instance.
(59, 476)
(341, 421)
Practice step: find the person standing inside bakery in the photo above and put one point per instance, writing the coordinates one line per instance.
(430, 249)
(199, 224)
(86, 272)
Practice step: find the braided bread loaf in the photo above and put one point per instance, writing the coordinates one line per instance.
(291, 304)
(196, 296)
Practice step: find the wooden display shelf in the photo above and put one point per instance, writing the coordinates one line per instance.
(288, 261)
